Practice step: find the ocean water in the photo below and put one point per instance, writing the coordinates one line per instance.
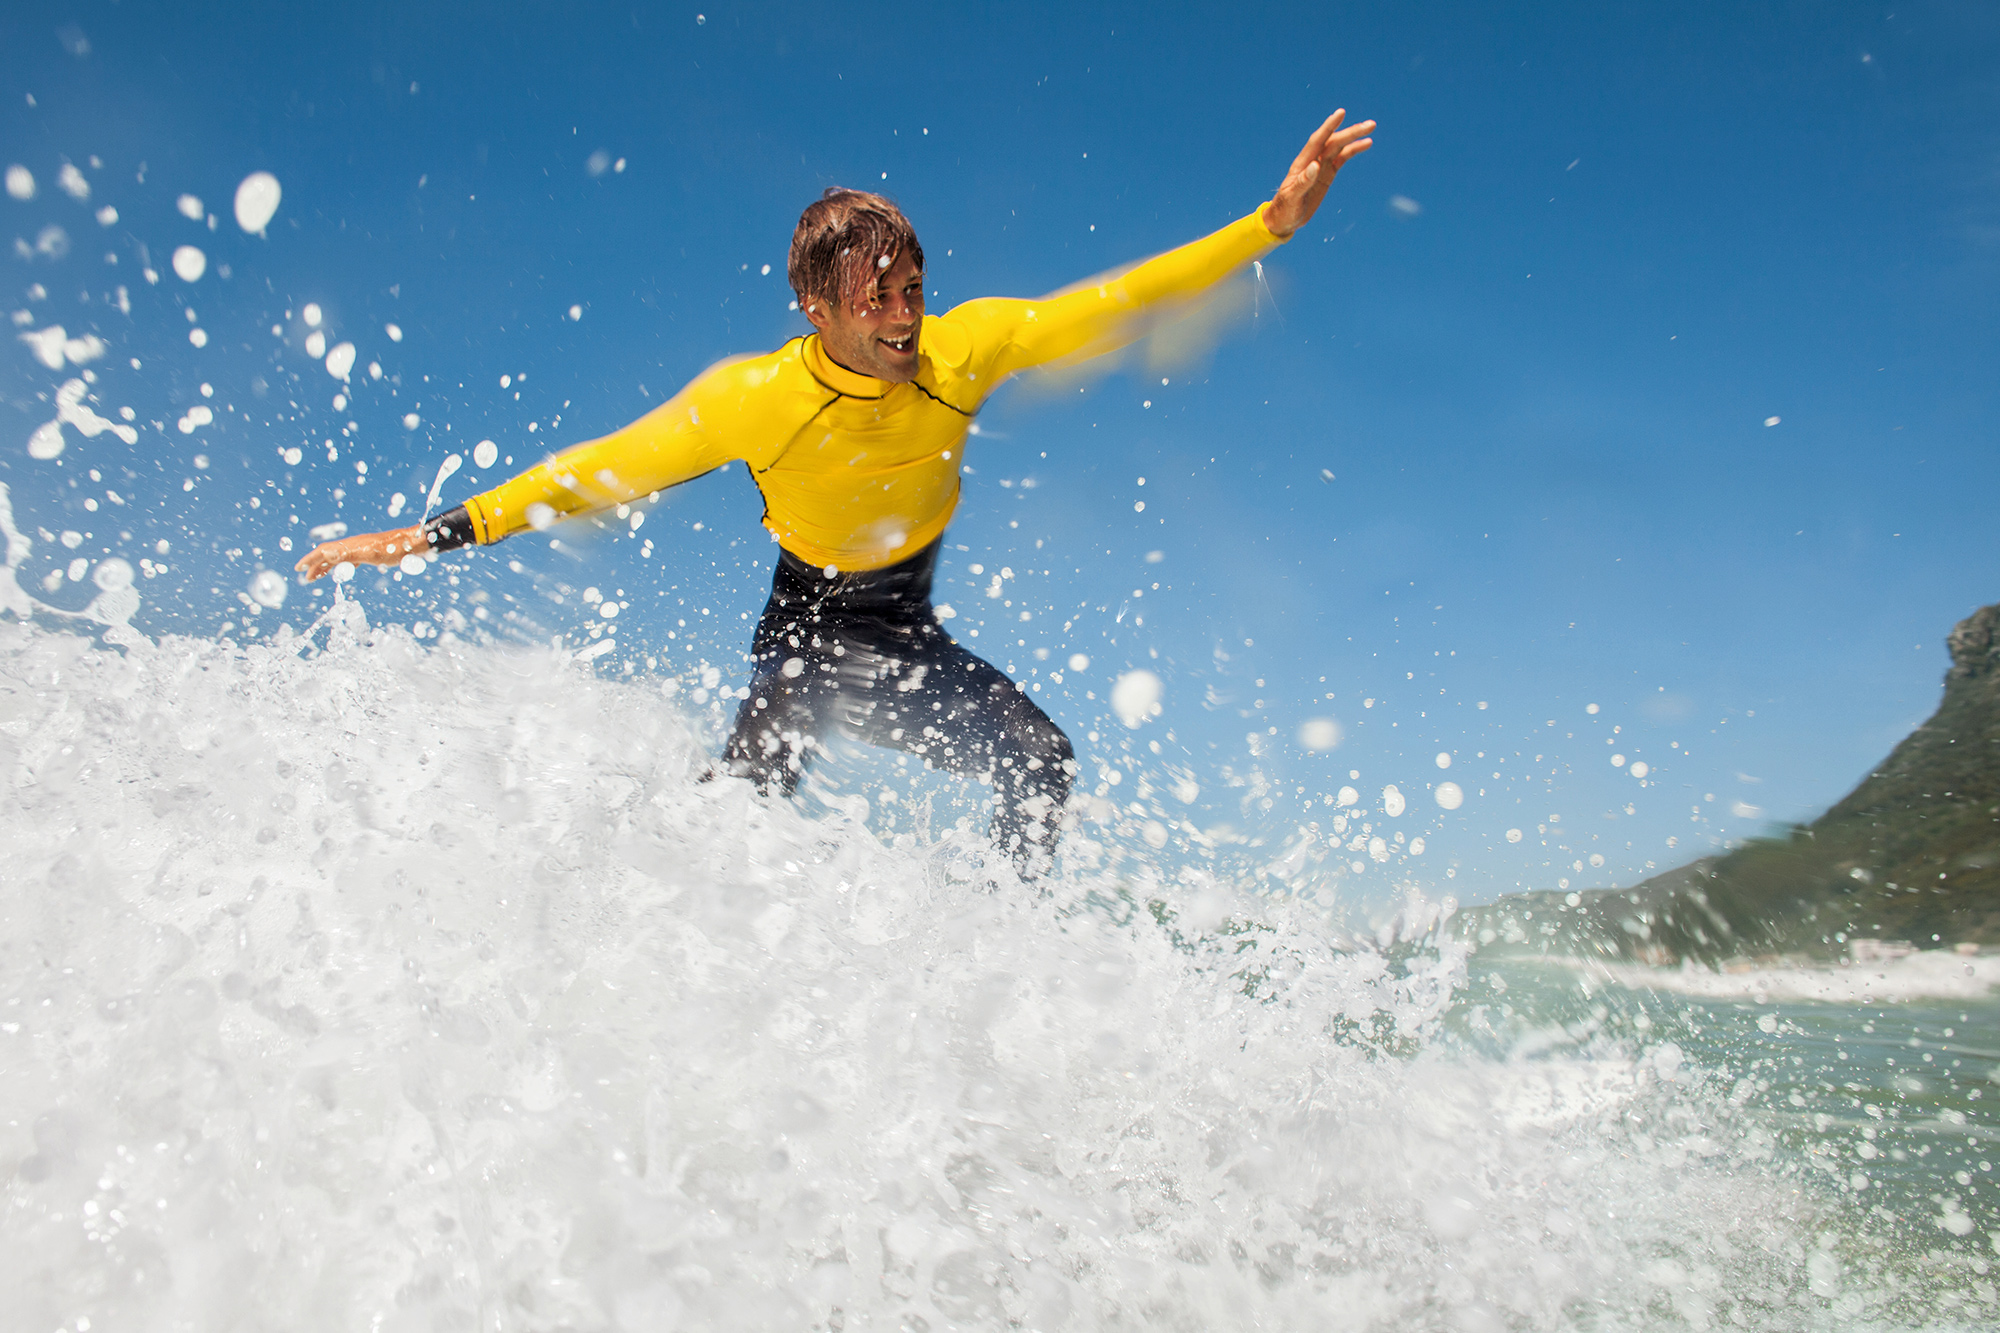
(369, 982)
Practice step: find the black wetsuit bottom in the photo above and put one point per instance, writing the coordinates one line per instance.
(861, 655)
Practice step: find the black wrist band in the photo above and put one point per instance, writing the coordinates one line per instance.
(450, 530)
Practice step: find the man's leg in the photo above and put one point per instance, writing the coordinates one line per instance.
(882, 671)
(936, 699)
(777, 729)
(792, 693)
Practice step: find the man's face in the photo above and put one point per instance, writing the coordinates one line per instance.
(876, 332)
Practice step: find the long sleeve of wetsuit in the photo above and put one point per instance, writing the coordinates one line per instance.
(845, 483)
(1106, 313)
(737, 410)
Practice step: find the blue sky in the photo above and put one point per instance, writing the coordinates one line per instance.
(1637, 236)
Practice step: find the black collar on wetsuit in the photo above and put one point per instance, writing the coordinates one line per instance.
(839, 393)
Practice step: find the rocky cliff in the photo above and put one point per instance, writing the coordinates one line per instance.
(1912, 853)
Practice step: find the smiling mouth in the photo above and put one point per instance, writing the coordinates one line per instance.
(903, 345)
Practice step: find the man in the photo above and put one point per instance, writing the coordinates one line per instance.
(853, 434)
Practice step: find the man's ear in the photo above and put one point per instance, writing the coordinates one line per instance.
(816, 310)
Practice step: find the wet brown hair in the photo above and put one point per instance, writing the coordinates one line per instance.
(844, 240)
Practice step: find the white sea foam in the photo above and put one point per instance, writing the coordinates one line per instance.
(405, 987)
(189, 263)
(1926, 974)
(114, 606)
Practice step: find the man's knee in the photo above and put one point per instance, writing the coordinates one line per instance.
(1037, 757)
(1040, 743)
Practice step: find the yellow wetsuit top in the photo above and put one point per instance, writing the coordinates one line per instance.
(856, 472)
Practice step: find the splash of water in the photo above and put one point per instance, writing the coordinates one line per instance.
(117, 601)
(451, 464)
(406, 987)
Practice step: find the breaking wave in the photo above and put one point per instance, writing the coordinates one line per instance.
(395, 985)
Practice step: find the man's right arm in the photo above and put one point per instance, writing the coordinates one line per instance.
(686, 436)
(675, 442)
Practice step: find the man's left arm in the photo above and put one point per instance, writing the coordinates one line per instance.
(1107, 313)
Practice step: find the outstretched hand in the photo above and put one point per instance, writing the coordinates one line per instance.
(370, 548)
(1329, 149)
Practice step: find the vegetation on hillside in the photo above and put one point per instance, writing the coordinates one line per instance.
(1912, 853)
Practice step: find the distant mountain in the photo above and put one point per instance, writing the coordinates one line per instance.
(1913, 853)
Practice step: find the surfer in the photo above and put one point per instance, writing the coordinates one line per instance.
(854, 435)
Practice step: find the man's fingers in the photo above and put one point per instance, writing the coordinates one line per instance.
(1325, 130)
(319, 561)
(1350, 134)
(1316, 141)
(1344, 147)
(1326, 151)
(1332, 145)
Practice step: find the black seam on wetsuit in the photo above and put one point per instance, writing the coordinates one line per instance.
(941, 402)
(758, 472)
(451, 530)
(837, 396)
(838, 393)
